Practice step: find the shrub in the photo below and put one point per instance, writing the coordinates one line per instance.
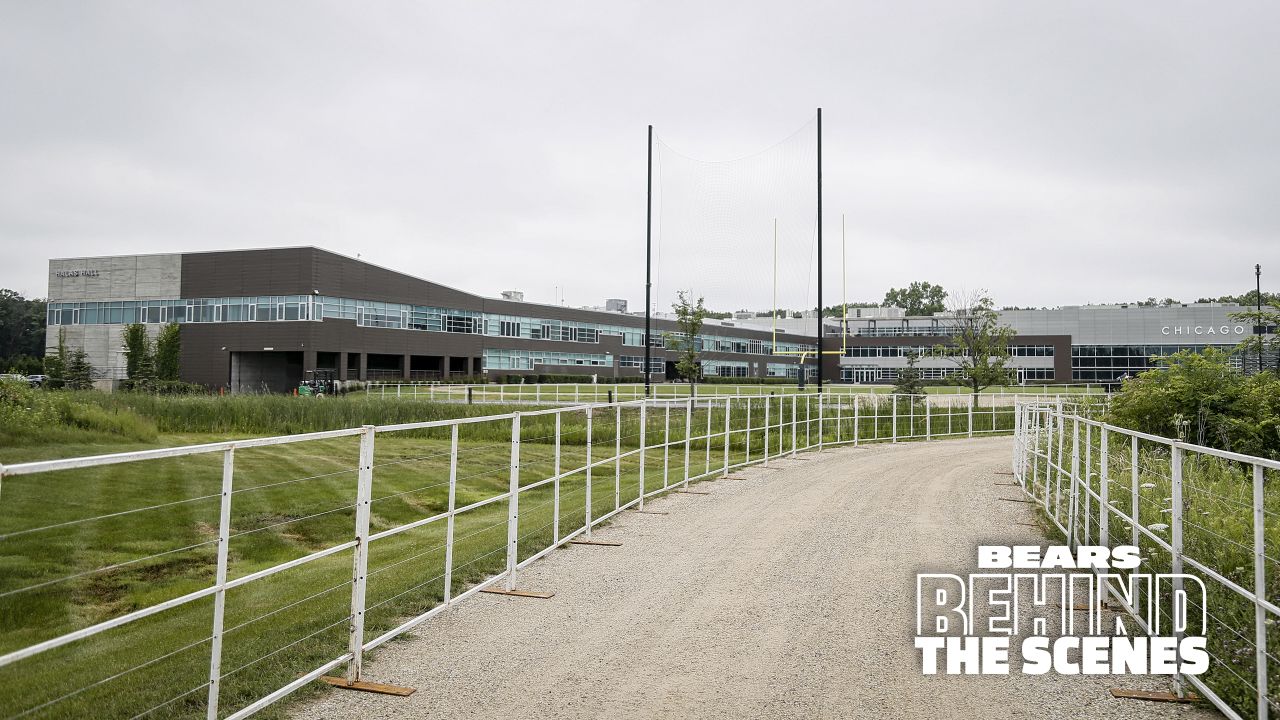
(30, 416)
(1200, 398)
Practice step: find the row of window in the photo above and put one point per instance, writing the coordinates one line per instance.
(913, 331)
(725, 368)
(656, 365)
(368, 313)
(1110, 363)
(933, 351)
(850, 373)
(497, 359)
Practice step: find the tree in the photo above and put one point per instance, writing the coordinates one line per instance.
(1199, 398)
(689, 317)
(139, 356)
(919, 298)
(910, 380)
(978, 344)
(22, 329)
(836, 311)
(79, 373)
(55, 365)
(1248, 299)
(1257, 347)
(168, 352)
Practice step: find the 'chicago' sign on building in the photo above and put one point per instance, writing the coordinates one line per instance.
(1202, 330)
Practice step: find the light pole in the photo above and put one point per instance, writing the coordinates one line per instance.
(1257, 327)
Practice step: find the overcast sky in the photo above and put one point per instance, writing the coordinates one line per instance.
(1053, 153)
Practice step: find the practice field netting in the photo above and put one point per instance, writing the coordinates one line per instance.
(715, 225)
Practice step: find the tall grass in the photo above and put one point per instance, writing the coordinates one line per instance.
(1217, 530)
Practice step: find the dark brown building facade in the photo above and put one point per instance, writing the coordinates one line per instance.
(264, 319)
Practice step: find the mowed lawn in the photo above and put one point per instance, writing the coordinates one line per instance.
(82, 546)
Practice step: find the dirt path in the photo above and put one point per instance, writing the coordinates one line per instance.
(786, 594)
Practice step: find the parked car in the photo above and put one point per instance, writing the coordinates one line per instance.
(37, 380)
(10, 377)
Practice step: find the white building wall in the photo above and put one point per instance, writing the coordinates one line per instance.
(128, 277)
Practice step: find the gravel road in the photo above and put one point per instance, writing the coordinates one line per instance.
(787, 593)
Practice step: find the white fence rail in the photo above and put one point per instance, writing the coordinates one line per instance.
(213, 580)
(1189, 508)
(578, 393)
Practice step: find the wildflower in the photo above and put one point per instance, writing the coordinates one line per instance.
(1158, 527)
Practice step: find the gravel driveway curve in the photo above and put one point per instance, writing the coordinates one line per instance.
(787, 593)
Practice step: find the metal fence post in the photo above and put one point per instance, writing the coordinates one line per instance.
(1062, 444)
(808, 423)
(617, 456)
(707, 469)
(728, 405)
(895, 417)
(766, 432)
(1175, 555)
(555, 490)
(748, 435)
(1088, 482)
(1134, 479)
(1104, 511)
(513, 505)
(856, 402)
(360, 563)
(971, 397)
(644, 448)
(220, 581)
(928, 420)
(449, 523)
(1073, 506)
(1259, 592)
(794, 410)
(666, 441)
(820, 427)
(688, 436)
(588, 471)
(839, 419)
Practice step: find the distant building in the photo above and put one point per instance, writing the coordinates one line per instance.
(1082, 344)
(617, 305)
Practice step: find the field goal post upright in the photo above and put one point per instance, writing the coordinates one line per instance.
(820, 328)
(648, 266)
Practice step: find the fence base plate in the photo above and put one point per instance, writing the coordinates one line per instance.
(365, 686)
(692, 492)
(602, 543)
(650, 512)
(1154, 695)
(1029, 502)
(519, 593)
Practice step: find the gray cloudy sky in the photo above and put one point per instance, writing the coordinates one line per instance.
(1054, 153)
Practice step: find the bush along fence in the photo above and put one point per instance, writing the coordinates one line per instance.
(214, 580)
(1209, 513)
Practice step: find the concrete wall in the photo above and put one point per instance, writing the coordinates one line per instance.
(127, 277)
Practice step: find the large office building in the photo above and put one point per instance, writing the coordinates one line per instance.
(1084, 344)
(254, 320)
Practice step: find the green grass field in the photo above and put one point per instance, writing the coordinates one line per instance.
(155, 533)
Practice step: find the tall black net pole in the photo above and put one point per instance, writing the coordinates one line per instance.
(648, 263)
(820, 333)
